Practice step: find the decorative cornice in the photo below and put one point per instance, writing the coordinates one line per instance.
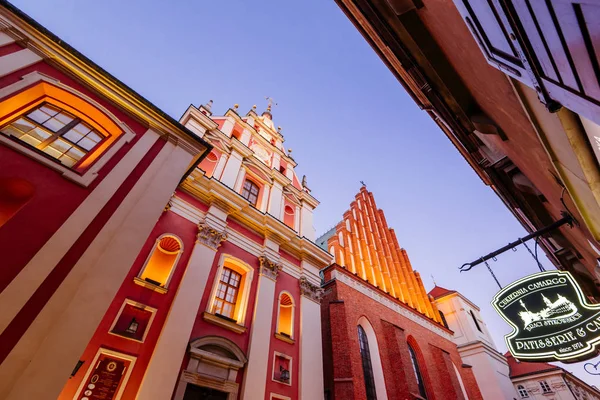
(309, 290)
(210, 237)
(269, 268)
(367, 291)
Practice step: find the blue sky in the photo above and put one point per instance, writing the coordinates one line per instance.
(342, 112)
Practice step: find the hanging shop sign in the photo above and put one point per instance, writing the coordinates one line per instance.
(551, 318)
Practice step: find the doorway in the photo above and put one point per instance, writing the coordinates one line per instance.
(193, 392)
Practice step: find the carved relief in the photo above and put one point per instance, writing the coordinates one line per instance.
(269, 268)
(313, 292)
(210, 237)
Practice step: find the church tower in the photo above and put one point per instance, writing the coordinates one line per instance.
(475, 344)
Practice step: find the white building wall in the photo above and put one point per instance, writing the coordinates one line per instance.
(477, 348)
(560, 390)
(491, 374)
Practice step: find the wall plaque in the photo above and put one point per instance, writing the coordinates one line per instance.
(105, 378)
(551, 318)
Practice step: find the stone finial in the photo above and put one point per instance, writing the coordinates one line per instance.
(269, 268)
(289, 152)
(206, 108)
(254, 107)
(305, 184)
(279, 129)
(210, 237)
(235, 107)
(309, 290)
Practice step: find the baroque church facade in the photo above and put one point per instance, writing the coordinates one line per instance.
(150, 258)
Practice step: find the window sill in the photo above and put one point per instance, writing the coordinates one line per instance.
(284, 338)
(125, 336)
(149, 285)
(223, 323)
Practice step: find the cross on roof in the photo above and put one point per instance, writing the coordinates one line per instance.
(271, 102)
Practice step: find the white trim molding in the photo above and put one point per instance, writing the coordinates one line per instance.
(367, 291)
(91, 173)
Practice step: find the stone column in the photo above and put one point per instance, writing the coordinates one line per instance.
(220, 167)
(276, 200)
(239, 181)
(256, 374)
(232, 168)
(163, 370)
(266, 194)
(228, 126)
(311, 350)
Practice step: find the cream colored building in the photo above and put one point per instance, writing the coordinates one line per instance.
(542, 381)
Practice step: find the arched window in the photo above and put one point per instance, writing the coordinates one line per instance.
(367, 335)
(417, 371)
(289, 216)
(285, 318)
(460, 382)
(365, 355)
(522, 392)
(250, 192)
(54, 132)
(14, 194)
(545, 387)
(162, 260)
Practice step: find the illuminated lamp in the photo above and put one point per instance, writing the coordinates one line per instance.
(284, 374)
(133, 327)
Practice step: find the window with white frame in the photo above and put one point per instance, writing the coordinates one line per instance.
(231, 289)
(285, 317)
(55, 132)
(522, 392)
(161, 261)
(545, 387)
(250, 192)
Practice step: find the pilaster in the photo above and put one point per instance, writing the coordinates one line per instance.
(311, 350)
(306, 223)
(276, 200)
(218, 171)
(256, 373)
(232, 168)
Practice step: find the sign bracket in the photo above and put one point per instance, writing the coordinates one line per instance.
(567, 219)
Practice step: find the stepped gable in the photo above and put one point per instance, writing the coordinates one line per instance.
(365, 245)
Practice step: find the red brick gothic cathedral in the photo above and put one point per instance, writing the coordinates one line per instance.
(383, 336)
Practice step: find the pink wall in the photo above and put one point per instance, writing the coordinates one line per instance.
(168, 223)
(290, 284)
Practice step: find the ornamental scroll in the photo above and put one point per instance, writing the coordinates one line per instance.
(307, 289)
(269, 268)
(551, 318)
(210, 237)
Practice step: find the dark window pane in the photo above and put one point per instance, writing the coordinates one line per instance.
(227, 292)
(475, 320)
(444, 319)
(365, 355)
(250, 192)
(417, 371)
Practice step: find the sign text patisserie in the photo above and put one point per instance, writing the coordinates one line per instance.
(551, 318)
